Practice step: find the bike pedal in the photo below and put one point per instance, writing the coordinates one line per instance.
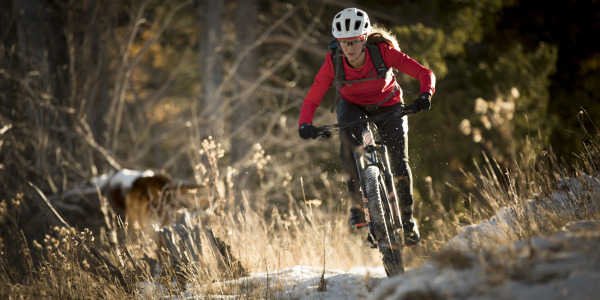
(371, 242)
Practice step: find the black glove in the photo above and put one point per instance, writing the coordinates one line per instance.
(423, 102)
(307, 131)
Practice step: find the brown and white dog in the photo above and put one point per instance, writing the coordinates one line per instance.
(145, 198)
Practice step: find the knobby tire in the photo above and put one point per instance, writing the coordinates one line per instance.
(389, 243)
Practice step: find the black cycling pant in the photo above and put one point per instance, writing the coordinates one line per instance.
(393, 134)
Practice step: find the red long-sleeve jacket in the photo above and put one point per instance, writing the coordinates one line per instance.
(370, 91)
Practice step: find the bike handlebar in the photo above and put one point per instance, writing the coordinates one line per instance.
(325, 130)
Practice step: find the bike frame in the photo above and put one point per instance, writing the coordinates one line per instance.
(373, 153)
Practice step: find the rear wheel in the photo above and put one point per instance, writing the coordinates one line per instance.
(388, 242)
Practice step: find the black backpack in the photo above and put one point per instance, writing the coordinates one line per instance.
(340, 77)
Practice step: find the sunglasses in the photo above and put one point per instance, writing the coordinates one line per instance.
(349, 42)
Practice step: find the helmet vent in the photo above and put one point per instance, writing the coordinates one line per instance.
(350, 23)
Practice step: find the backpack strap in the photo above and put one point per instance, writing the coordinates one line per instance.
(377, 59)
(338, 69)
(382, 72)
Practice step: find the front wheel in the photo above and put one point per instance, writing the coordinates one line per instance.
(388, 243)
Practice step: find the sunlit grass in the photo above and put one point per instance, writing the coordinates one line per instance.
(267, 238)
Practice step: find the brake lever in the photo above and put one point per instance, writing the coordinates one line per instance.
(409, 109)
(324, 132)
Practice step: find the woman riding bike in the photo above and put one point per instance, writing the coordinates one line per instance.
(367, 96)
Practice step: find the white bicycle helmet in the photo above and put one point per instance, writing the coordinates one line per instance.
(350, 22)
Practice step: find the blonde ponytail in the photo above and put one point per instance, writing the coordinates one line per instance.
(379, 34)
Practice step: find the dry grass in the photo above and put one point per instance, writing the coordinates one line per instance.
(537, 199)
(265, 238)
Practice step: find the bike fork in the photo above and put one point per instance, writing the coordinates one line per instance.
(392, 196)
(371, 237)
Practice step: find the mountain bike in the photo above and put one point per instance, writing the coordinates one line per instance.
(382, 211)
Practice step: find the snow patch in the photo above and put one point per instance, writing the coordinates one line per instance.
(565, 265)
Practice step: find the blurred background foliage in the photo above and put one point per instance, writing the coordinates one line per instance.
(91, 86)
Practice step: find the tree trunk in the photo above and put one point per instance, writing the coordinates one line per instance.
(211, 69)
(243, 110)
(41, 46)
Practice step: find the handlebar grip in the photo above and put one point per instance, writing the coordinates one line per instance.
(410, 109)
(324, 132)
